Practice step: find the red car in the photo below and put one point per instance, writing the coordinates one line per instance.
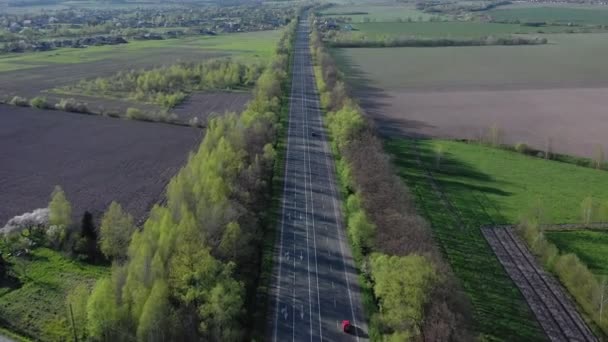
(346, 326)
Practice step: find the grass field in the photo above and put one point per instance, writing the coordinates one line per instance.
(247, 44)
(451, 29)
(561, 15)
(485, 186)
(36, 306)
(591, 246)
(377, 12)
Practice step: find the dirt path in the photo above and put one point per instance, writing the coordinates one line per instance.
(548, 300)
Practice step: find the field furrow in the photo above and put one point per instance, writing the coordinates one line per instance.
(551, 306)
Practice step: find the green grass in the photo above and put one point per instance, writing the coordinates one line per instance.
(487, 66)
(378, 13)
(560, 15)
(487, 185)
(36, 307)
(241, 44)
(591, 246)
(452, 29)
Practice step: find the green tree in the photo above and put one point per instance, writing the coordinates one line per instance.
(102, 311)
(76, 305)
(153, 320)
(402, 286)
(116, 230)
(229, 246)
(60, 210)
(221, 310)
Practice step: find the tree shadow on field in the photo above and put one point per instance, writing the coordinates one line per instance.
(473, 199)
(374, 99)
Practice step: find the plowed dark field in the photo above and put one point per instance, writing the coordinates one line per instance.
(95, 159)
(204, 105)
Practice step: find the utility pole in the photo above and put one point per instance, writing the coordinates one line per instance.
(73, 325)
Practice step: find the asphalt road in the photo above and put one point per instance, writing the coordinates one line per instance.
(314, 281)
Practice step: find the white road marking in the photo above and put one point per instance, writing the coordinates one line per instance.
(278, 292)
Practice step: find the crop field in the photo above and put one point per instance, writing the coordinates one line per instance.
(377, 12)
(452, 29)
(591, 246)
(483, 186)
(35, 304)
(95, 159)
(529, 92)
(597, 15)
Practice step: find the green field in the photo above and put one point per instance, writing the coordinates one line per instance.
(244, 44)
(452, 29)
(559, 15)
(37, 305)
(485, 186)
(557, 63)
(591, 246)
(377, 13)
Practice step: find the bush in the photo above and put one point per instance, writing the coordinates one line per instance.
(39, 102)
(161, 116)
(71, 105)
(135, 114)
(19, 101)
(522, 147)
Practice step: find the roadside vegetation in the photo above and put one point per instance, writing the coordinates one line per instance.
(588, 289)
(418, 298)
(169, 86)
(484, 185)
(191, 271)
(354, 40)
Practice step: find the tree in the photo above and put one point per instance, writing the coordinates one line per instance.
(115, 232)
(599, 157)
(587, 207)
(230, 240)
(102, 311)
(76, 306)
(60, 210)
(402, 286)
(153, 320)
(220, 312)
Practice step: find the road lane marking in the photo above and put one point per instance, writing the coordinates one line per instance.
(278, 292)
(336, 216)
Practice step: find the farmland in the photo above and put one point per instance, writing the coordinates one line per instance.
(381, 12)
(95, 159)
(459, 92)
(487, 185)
(596, 15)
(37, 73)
(591, 246)
(451, 29)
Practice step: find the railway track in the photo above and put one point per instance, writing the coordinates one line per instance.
(550, 304)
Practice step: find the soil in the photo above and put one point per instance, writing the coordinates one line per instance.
(205, 105)
(572, 120)
(94, 159)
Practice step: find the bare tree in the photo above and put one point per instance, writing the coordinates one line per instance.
(599, 156)
(438, 156)
(549, 148)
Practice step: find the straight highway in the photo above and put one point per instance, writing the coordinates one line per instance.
(314, 286)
